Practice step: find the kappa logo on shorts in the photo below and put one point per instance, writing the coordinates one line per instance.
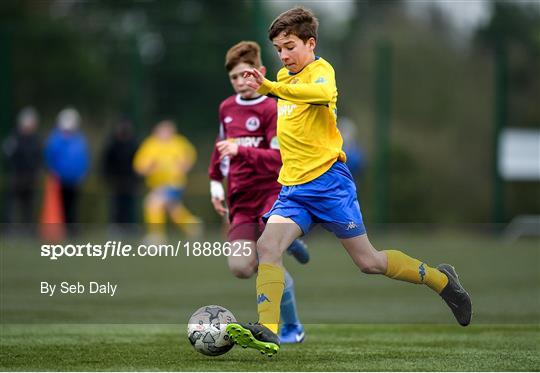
(261, 298)
(253, 124)
(351, 225)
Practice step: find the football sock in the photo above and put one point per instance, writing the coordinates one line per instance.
(288, 302)
(403, 267)
(188, 223)
(270, 285)
(155, 219)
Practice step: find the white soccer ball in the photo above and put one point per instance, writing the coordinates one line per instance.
(206, 330)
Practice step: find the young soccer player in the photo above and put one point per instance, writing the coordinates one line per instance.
(247, 154)
(317, 186)
(164, 159)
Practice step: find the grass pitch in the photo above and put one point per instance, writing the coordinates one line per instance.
(353, 321)
(327, 348)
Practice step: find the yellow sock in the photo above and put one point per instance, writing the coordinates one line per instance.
(181, 215)
(403, 267)
(188, 223)
(155, 219)
(270, 285)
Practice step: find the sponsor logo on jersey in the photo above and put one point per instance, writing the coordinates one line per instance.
(320, 80)
(253, 124)
(286, 110)
(249, 141)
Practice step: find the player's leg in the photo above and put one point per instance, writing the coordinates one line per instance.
(243, 264)
(292, 330)
(279, 233)
(155, 215)
(243, 233)
(190, 224)
(398, 265)
(298, 249)
(343, 217)
(245, 230)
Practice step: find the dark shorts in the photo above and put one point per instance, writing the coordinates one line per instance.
(246, 211)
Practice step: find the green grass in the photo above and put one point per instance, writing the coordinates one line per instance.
(327, 348)
(353, 321)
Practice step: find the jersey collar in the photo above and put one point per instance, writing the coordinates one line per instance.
(254, 101)
(316, 58)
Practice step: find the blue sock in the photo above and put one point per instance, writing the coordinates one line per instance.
(288, 302)
(298, 249)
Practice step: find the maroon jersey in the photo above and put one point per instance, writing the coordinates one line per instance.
(252, 125)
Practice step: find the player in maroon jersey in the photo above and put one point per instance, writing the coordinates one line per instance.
(247, 155)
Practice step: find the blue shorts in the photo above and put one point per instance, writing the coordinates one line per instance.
(329, 200)
(171, 194)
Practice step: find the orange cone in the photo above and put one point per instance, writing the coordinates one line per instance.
(52, 215)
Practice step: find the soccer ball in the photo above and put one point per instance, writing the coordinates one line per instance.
(206, 330)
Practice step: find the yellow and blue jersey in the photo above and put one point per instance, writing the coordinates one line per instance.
(168, 161)
(309, 140)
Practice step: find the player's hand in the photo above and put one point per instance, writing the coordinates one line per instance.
(148, 168)
(227, 148)
(183, 167)
(219, 206)
(254, 78)
(218, 197)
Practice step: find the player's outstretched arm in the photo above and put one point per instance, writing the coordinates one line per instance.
(319, 92)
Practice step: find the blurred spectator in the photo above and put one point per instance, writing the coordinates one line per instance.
(356, 160)
(67, 157)
(23, 151)
(165, 158)
(117, 167)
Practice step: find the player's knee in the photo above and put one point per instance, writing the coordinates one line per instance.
(266, 249)
(152, 201)
(242, 271)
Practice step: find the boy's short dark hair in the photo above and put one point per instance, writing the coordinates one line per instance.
(244, 52)
(297, 21)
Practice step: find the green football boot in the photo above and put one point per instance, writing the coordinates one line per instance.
(255, 336)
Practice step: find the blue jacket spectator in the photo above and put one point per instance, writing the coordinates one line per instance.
(67, 155)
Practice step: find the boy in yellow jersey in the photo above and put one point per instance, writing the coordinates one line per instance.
(246, 156)
(164, 159)
(317, 186)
